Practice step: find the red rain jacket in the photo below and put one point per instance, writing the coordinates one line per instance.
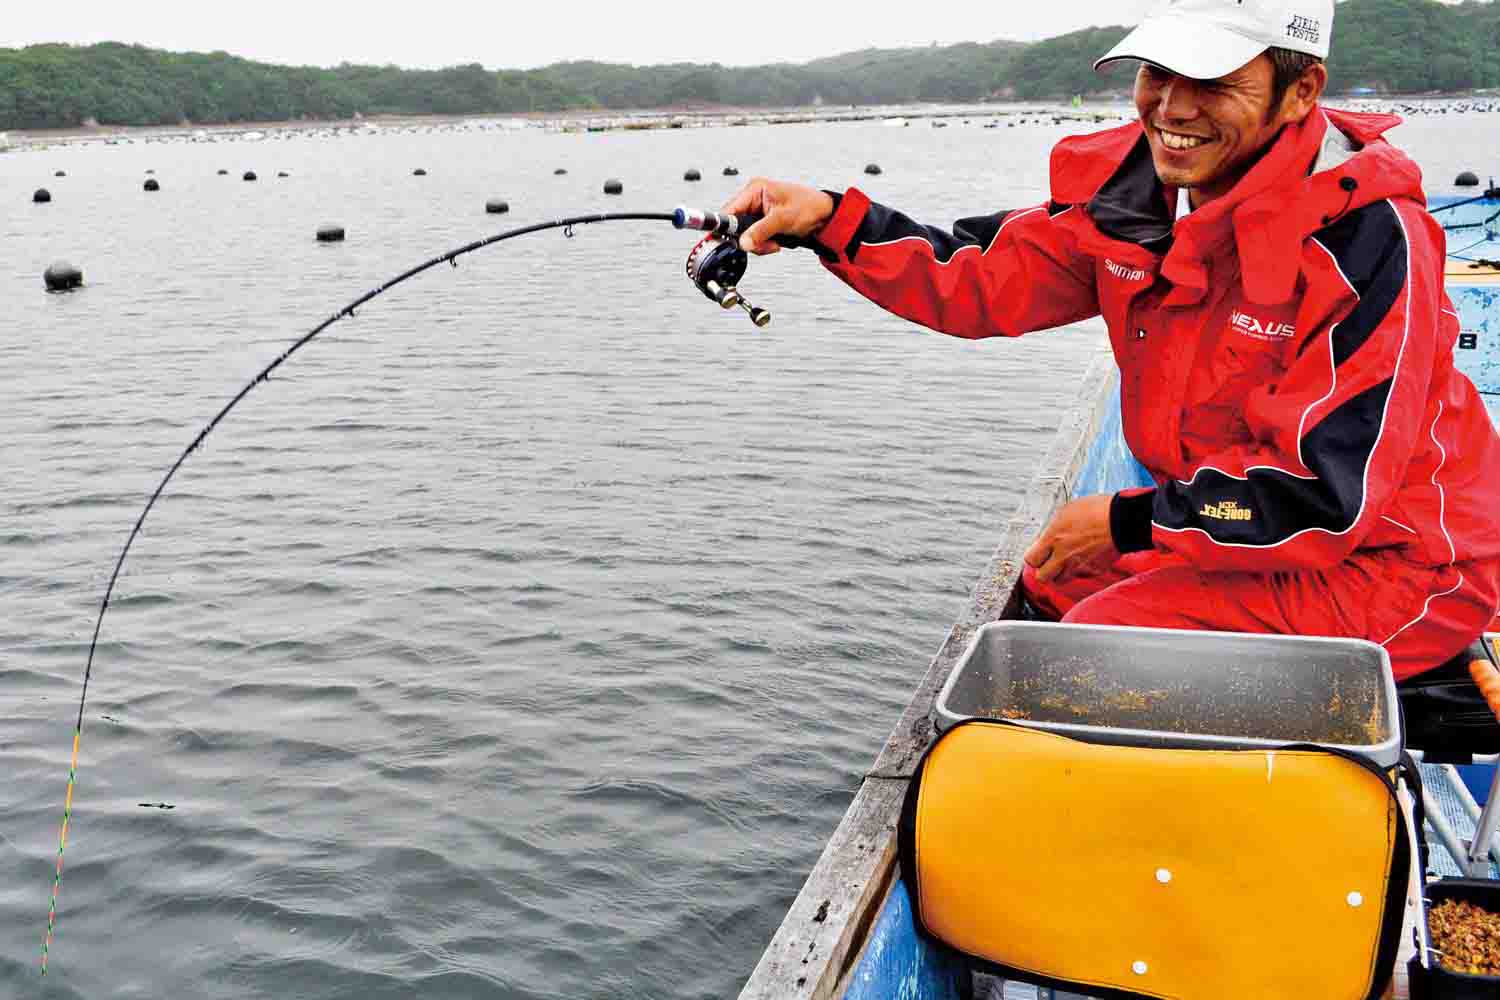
(1286, 351)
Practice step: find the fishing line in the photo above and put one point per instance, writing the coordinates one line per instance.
(715, 266)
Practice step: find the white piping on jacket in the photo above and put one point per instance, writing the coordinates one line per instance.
(1442, 523)
(1369, 460)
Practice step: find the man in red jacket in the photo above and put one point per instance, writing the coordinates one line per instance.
(1273, 288)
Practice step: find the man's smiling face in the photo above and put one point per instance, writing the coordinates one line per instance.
(1205, 134)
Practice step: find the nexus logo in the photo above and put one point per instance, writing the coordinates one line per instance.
(1249, 325)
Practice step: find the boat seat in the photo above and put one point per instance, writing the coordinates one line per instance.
(1448, 722)
(1444, 714)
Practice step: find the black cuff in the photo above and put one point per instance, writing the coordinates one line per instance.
(1130, 520)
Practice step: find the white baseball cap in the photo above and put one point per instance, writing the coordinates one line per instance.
(1207, 39)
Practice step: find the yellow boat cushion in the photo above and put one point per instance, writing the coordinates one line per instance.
(1184, 873)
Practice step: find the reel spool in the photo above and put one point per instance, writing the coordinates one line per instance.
(716, 266)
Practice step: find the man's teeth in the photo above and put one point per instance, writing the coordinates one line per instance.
(1174, 141)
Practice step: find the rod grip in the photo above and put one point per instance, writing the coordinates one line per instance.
(724, 224)
(718, 223)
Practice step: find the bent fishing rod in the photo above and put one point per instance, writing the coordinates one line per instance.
(715, 266)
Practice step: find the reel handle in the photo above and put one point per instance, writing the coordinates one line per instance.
(724, 225)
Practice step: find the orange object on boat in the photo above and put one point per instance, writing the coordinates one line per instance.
(1488, 678)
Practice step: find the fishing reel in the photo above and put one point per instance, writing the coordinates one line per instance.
(717, 264)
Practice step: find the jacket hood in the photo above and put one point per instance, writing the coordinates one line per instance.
(1330, 164)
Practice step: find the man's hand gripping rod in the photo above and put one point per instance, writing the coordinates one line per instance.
(717, 264)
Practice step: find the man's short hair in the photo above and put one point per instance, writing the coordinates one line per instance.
(1287, 68)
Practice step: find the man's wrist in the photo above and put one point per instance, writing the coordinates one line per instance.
(834, 198)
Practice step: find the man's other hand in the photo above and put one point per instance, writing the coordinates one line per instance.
(793, 209)
(1077, 537)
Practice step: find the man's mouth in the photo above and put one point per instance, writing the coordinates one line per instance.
(1178, 142)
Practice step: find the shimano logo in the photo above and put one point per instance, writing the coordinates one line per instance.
(1305, 29)
(1124, 273)
(1249, 325)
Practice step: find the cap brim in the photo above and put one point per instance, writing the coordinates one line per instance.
(1187, 48)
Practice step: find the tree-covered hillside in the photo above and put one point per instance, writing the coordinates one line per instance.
(1392, 46)
(1401, 46)
(1411, 46)
(61, 85)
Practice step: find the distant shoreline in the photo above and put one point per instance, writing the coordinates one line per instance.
(645, 119)
(221, 128)
(602, 120)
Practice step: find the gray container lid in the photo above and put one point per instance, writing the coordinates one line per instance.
(1170, 688)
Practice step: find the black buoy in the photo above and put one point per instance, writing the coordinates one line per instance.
(731, 171)
(330, 234)
(692, 175)
(61, 173)
(250, 175)
(613, 186)
(1467, 179)
(152, 184)
(560, 171)
(282, 173)
(223, 173)
(419, 172)
(42, 196)
(873, 169)
(150, 172)
(62, 277)
(496, 206)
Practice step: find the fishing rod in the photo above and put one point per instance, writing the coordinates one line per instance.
(715, 266)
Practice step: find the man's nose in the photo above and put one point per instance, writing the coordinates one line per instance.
(1179, 99)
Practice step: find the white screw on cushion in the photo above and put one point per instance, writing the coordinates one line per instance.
(1139, 968)
(1163, 876)
(1355, 899)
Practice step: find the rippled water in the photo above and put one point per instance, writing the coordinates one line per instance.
(530, 635)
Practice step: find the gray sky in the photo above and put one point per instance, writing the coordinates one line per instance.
(434, 33)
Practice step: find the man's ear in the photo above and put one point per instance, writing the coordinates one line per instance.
(1302, 96)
